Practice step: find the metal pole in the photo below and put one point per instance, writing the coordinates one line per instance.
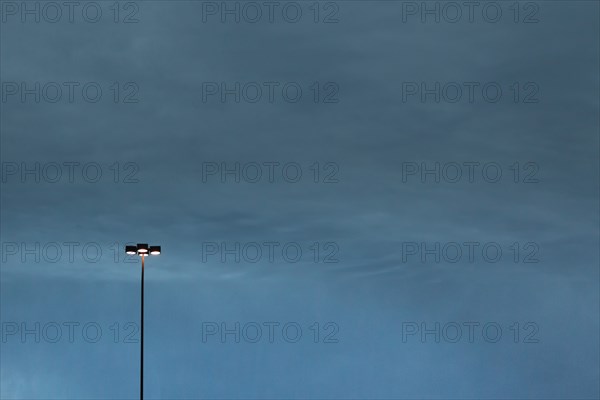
(142, 337)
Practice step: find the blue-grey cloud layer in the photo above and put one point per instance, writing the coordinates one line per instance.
(369, 213)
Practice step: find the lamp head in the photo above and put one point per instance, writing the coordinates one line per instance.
(142, 248)
(154, 250)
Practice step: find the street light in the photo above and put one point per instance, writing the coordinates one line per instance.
(142, 250)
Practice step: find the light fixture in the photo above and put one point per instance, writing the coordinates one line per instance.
(131, 250)
(154, 250)
(142, 248)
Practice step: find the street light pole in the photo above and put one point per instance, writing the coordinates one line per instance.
(142, 250)
(142, 337)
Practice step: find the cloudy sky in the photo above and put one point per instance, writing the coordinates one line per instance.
(355, 199)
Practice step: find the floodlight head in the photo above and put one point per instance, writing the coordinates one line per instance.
(131, 250)
(154, 250)
(142, 248)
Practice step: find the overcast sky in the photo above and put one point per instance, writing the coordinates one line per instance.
(401, 207)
